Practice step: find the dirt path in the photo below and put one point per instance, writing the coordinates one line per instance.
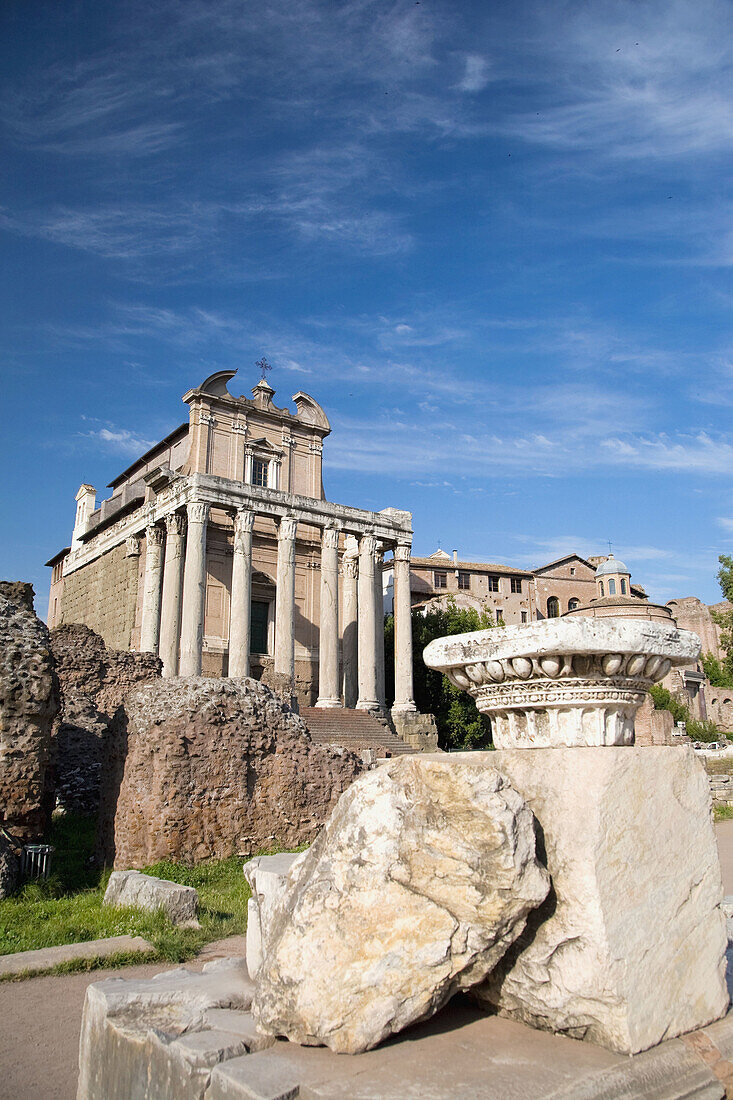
(40, 1020)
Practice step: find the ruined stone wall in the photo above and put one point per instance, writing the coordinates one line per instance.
(94, 680)
(29, 699)
(199, 768)
(103, 595)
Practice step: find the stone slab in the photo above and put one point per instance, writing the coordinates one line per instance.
(461, 1052)
(45, 957)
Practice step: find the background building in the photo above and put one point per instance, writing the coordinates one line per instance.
(217, 550)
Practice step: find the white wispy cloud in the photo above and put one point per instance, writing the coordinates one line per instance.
(121, 440)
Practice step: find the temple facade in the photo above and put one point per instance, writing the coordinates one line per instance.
(218, 551)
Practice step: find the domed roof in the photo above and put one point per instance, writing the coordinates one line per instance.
(611, 565)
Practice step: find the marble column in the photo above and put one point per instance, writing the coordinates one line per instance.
(285, 599)
(367, 648)
(403, 700)
(241, 604)
(194, 591)
(349, 629)
(328, 638)
(170, 612)
(150, 627)
(379, 627)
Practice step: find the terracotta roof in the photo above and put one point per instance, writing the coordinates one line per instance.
(559, 561)
(443, 565)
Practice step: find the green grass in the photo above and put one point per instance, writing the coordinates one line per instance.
(722, 813)
(68, 908)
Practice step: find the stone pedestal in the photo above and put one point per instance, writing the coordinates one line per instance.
(629, 947)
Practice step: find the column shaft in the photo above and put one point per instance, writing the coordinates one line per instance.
(328, 638)
(403, 689)
(350, 648)
(285, 599)
(170, 613)
(194, 591)
(367, 649)
(241, 603)
(150, 628)
(379, 627)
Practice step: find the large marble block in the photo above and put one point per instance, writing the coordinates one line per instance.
(629, 947)
(420, 880)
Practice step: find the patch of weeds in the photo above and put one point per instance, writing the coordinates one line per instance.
(723, 812)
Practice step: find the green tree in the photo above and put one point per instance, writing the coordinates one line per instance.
(460, 726)
(724, 620)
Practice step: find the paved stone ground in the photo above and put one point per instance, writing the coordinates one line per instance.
(40, 1019)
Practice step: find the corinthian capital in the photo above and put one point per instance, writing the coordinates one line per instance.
(286, 530)
(154, 535)
(330, 538)
(174, 523)
(402, 551)
(197, 512)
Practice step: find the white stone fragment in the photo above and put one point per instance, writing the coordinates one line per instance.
(267, 877)
(629, 947)
(179, 903)
(418, 883)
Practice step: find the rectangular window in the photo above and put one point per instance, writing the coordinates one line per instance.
(492, 584)
(516, 584)
(464, 580)
(258, 626)
(499, 615)
(259, 472)
(524, 616)
(440, 580)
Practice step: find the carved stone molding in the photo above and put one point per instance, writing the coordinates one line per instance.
(564, 681)
(132, 547)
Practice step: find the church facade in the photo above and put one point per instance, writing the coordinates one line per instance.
(217, 550)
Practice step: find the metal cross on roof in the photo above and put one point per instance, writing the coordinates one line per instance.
(263, 367)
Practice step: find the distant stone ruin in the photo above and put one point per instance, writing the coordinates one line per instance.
(29, 700)
(199, 768)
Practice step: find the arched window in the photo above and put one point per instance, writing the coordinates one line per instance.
(602, 589)
(573, 604)
(623, 587)
(553, 608)
(612, 587)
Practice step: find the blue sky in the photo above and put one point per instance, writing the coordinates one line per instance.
(494, 240)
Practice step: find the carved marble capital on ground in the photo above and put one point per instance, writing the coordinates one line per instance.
(562, 681)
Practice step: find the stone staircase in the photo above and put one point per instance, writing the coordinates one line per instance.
(353, 729)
